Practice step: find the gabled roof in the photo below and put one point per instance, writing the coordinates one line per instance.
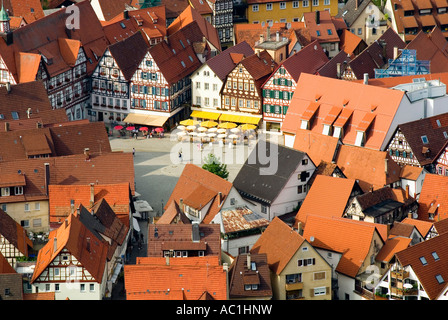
(129, 53)
(240, 275)
(259, 65)
(367, 166)
(353, 239)
(433, 198)
(202, 237)
(30, 10)
(14, 233)
(371, 202)
(60, 197)
(193, 278)
(111, 8)
(392, 246)
(5, 267)
(328, 196)
(351, 43)
(176, 57)
(434, 128)
(432, 271)
(422, 226)
(238, 219)
(223, 63)
(74, 236)
(410, 172)
(330, 69)
(352, 9)
(193, 177)
(321, 26)
(190, 15)
(258, 181)
(376, 55)
(280, 243)
(309, 59)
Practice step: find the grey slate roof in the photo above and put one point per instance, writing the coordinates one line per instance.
(264, 175)
(350, 13)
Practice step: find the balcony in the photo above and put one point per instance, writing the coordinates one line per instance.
(363, 292)
(294, 286)
(399, 274)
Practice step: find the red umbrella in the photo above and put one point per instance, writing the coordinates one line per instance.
(143, 129)
(159, 129)
(130, 128)
(118, 127)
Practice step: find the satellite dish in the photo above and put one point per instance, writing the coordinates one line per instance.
(311, 238)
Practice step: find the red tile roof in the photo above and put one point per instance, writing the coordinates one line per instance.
(153, 279)
(353, 239)
(15, 234)
(90, 251)
(392, 246)
(317, 146)
(30, 10)
(5, 267)
(422, 226)
(322, 31)
(433, 198)
(280, 243)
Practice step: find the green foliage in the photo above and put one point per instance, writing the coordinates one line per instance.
(148, 3)
(213, 165)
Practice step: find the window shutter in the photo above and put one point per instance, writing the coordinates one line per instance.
(299, 262)
(314, 261)
(280, 94)
(285, 109)
(305, 262)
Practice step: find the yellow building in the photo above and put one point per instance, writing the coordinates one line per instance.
(267, 11)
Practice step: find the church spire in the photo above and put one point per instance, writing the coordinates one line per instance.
(4, 20)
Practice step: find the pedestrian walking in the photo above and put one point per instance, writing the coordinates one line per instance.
(180, 155)
(133, 151)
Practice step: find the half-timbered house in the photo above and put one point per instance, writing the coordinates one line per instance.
(421, 143)
(111, 78)
(242, 92)
(161, 85)
(279, 88)
(14, 241)
(73, 263)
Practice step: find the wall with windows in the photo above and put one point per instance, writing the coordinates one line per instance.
(287, 11)
(306, 276)
(206, 88)
(31, 215)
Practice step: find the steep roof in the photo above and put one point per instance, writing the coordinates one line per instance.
(353, 239)
(89, 250)
(422, 226)
(319, 147)
(435, 266)
(263, 182)
(367, 166)
(30, 10)
(165, 237)
(321, 26)
(345, 104)
(330, 69)
(14, 233)
(190, 15)
(250, 32)
(392, 246)
(238, 219)
(223, 63)
(5, 267)
(129, 53)
(309, 59)
(433, 198)
(190, 279)
(240, 275)
(328, 196)
(279, 242)
(351, 10)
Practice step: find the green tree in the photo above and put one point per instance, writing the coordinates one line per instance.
(213, 165)
(149, 3)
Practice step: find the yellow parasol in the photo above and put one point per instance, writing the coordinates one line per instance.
(248, 127)
(189, 122)
(227, 125)
(209, 124)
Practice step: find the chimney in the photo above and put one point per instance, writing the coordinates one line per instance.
(87, 153)
(72, 206)
(366, 78)
(88, 244)
(277, 36)
(126, 14)
(8, 87)
(371, 189)
(248, 261)
(181, 205)
(55, 244)
(47, 177)
(338, 70)
(386, 165)
(395, 53)
(6, 126)
(92, 194)
(317, 17)
(28, 112)
(407, 191)
(167, 259)
(261, 39)
(356, 4)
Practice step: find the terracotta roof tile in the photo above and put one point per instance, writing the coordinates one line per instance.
(15, 234)
(279, 242)
(433, 194)
(30, 10)
(39, 296)
(325, 30)
(422, 226)
(328, 196)
(5, 267)
(153, 279)
(353, 239)
(392, 246)
(241, 219)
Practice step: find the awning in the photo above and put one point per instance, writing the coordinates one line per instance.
(239, 119)
(135, 224)
(409, 22)
(147, 120)
(205, 115)
(117, 271)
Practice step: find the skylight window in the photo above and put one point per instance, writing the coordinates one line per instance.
(425, 139)
(15, 115)
(329, 32)
(423, 261)
(439, 279)
(435, 256)
(438, 123)
(183, 64)
(318, 33)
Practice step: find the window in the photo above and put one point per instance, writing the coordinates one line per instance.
(56, 287)
(329, 32)
(425, 139)
(295, 4)
(5, 192)
(47, 287)
(435, 256)
(423, 261)
(282, 5)
(315, 3)
(56, 271)
(82, 287)
(92, 287)
(304, 162)
(215, 87)
(18, 190)
(305, 3)
(319, 275)
(306, 262)
(27, 207)
(440, 278)
(37, 222)
(264, 209)
(255, 8)
(320, 291)
(359, 31)
(4, 207)
(268, 6)
(326, 2)
(293, 278)
(318, 33)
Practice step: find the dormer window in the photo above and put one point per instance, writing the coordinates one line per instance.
(425, 139)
